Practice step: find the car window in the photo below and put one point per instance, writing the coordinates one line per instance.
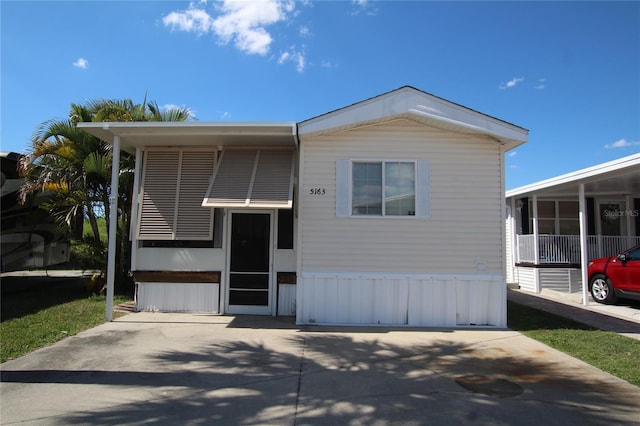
(634, 254)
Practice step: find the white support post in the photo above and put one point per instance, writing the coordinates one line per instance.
(298, 209)
(584, 260)
(513, 242)
(134, 207)
(536, 235)
(536, 243)
(627, 214)
(113, 226)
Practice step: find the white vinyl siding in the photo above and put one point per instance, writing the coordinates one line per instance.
(174, 183)
(464, 226)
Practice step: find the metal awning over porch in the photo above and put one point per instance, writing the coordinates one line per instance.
(132, 135)
(252, 178)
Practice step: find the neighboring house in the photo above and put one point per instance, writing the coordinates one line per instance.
(30, 238)
(555, 226)
(387, 211)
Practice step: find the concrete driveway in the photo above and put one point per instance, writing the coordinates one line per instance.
(148, 368)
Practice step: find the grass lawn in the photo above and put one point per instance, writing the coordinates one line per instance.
(42, 316)
(617, 355)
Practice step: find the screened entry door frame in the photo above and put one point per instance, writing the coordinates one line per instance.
(249, 278)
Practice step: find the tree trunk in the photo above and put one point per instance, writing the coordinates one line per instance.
(93, 221)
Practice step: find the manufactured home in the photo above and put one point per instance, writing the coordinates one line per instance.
(556, 226)
(387, 211)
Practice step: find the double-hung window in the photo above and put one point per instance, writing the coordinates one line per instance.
(382, 188)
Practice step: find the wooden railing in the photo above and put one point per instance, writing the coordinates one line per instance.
(565, 249)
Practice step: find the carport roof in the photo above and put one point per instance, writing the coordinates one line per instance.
(617, 177)
(180, 133)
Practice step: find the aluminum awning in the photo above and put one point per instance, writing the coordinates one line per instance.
(252, 178)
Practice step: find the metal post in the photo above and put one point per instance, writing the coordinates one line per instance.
(584, 260)
(134, 208)
(627, 214)
(113, 226)
(536, 243)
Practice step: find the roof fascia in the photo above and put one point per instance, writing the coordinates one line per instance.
(134, 134)
(577, 176)
(422, 106)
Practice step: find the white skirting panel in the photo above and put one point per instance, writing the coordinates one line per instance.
(565, 280)
(402, 299)
(178, 297)
(528, 278)
(287, 299)
(576, 280)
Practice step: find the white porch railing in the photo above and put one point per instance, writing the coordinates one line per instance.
(565, 249)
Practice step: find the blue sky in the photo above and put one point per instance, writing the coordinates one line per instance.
(567, 71)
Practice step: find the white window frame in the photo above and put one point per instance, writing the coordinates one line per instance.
(556, 219)
(344, 188)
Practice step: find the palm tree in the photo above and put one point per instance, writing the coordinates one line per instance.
(75, 168)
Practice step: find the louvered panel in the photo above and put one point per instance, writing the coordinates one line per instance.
(157, 211)
(273, 185)
(230, 186)
(194, 221)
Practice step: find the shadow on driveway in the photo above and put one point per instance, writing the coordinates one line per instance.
(126, 373)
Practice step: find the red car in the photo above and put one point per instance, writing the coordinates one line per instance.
(615, 276)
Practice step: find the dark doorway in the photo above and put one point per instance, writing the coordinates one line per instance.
(249, 272)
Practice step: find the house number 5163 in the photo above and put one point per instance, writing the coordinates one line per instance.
(317, 191)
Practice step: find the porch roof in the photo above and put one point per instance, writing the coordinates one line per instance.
(162, 133)
(617, 177)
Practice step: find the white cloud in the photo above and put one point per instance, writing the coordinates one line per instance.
(242, 22)
(191, 20)
(542, 83)
(364, 6)
(328, 64)
(622, 143)
(305, 31)
(294, 56)
(511, 83)
(512, 154)
(81, 63)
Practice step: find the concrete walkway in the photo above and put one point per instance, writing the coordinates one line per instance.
(152, 368)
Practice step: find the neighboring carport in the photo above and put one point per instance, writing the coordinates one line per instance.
(618, 179)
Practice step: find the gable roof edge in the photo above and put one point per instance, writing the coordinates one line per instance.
(419, 105)
(576, 176)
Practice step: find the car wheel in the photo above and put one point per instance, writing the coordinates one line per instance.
(602, 290)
